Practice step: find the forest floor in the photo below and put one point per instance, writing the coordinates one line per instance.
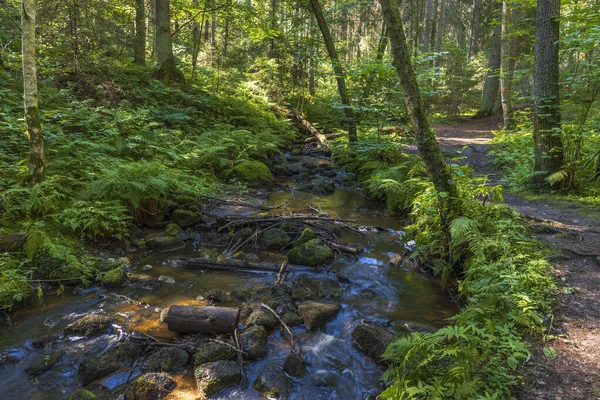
(573, 233)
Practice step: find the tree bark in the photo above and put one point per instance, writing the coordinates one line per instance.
(202, 319)
(492, 81)
(426, 26)
(505, 64)
(337, 68)
(139, 50)
(37, 157)
(167, 70)
(426, 141)
(547, 123)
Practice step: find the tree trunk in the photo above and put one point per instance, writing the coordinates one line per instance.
(547, 124)
(441, 31)
(226, 38)
(505, 63)
(139, 50)
(337, 68)
(426, 141)
(473, 42)
(167, 70)
(37, 157)
(492, 81)
(426, 26)
(202, 319)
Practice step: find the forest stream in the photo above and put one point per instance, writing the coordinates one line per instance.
(377, 287)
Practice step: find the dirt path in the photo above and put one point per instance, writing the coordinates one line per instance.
(574, 232)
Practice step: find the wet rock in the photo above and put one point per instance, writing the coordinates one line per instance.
(150, 386)
(114, 277)
(291, 319)
(317, 314)
(215, 376)
(273, 383)
(294, 367)
(240, 295)
(328, 288)
(368, 293)
(130, 350)
(323, 188)
(90, 325)
(173, 230)
(309, 166)
(216, 296)
(396, 260)
(7, 359)
(254, 342)
(294, 169)
(281, 170)
(78, 290)
(262, 318)
(82, 394)
(166, 359)
(296, 151)
(417, 327)
(372, 339)
(42, 341)
(111, 263)
(211, 352)
(165, 243)
(306, 235)
(166, 279)
(142, 281)
(303, 177)
(300, 292)
(253, 173)
(147, 267)
(328, 173)
(44, 363)
(140, 244)
(306, 188)
(94, 368)
(275, 238)
(312, 253)
(186, 218)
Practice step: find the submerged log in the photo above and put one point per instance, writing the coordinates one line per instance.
(202, 319)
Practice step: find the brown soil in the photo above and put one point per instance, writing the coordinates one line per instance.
(574, 233)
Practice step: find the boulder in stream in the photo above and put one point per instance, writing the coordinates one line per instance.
(93, 368)
(316, 314)
(166, 359)
(291, 319)
(372, 339)
(281, 170)
(89, 325)
(323, 188)
(275, 238)
(312, 253)
(165, 243)
(215, 376)
(254, 342)
(329, 288)
(262, 318)
(306, 235)
(151, 386)
(216, 296)
(142, 281)
(294, 367)
(42, 364)
(211, 352)
(273, 383)
(173, 230)
(253, 173)
(186, 218)
(82, 394)
(114, 277)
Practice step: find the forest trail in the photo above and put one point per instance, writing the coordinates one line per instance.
(574, 232)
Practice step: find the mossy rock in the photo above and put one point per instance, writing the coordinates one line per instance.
(82, 394)
(253, 173)
(329, 288)
(294, 367)
(13, 291)
(292, 319)
(213, 352)
(173, 230)
(114, 277)
(142, 281)
(240, 294)
(216, 296)
(271, 382)
(165, 243)
(312, 253)
(89, 325)
(130, 350)
(281, 170)
(186, 218)
(287, 227)
(215, 376)
(254, 342)
(44, 363)
(275, 238)
(300, 292)
(262, 318)
(307, 234)
(316, 314)
(166, 359)
(140, 244)
(372, 339)
(93, 368)
(151, 386)
(323, 188)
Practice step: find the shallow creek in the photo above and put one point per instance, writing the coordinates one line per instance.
(373, 290)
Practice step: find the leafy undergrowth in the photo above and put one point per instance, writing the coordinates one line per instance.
(116, 141)
(504, 283)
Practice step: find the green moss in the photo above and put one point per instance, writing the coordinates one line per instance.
(151, 386)
(275, 238)
(307, 234)
(186, 218)
(254, 342)
(287, 227)
(213, 352)
(215, 376)
(44, 363)
(173, 230)
(13, 291)
(312, 253)
(253, 173)
(82, 394)
(90, 325)
(114, 277)
(165, 243)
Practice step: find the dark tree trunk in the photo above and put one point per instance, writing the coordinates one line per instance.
(139, 50)
(547, 124)
(167, 70)
(492, 81)
(338, 69)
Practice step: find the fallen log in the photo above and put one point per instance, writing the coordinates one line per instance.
(260, 220)
(307, 127)
(312, 139)
(202, 319)
(227, 265)
(344, 248)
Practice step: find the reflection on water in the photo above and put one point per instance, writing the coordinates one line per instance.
(374, 291)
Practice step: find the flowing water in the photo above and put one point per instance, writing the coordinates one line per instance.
(375, 292)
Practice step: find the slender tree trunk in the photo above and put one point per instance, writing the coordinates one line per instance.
(382, 45)
(311, 61)
(37, 158)
(426, 26)
(434, 26)
(547, 124)
(473, 41)
(338, 69)
(505, 73)
(426, 141)
(226, 38)
(167, 70)
(441, 32)
(492, 81)
(139, 51)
